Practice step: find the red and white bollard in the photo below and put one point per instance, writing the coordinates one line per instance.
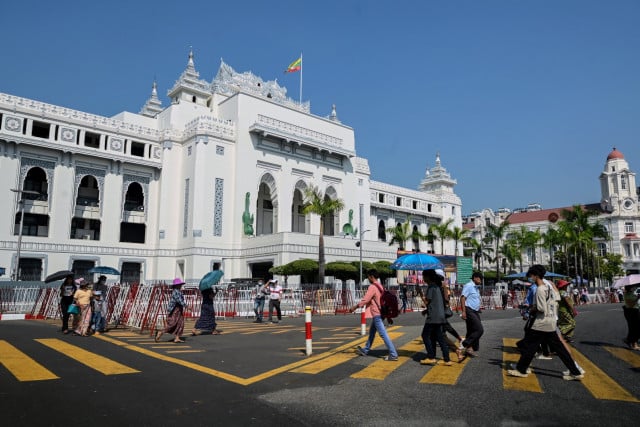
(363, 323)
(307, 324)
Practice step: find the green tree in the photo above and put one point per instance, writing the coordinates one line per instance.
(441, 232)
(342, 270)
(496, 234)
(550, 239)
(458, 234)
(400, 234)
(611, 266)
(316, 203)
(580, 232)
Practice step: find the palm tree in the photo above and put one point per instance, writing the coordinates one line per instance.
(441, 232)
(316, 203)
(400, 234)
(496, 233)
(480, 251)
(458, 234)
(550, 240)
(578, 223)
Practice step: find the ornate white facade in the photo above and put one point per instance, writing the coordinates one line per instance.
(217, 176)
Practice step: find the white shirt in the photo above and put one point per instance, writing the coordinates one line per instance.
(275, 291)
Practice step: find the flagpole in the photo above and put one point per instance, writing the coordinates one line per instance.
(300, 78)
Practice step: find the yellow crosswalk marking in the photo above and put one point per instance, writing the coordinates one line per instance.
(625, 354)
(22, 366)
(599, 384)
(510, 355)
(92, 360)
(185, 351)
(380, 369)
(442, 374)
(338, 358)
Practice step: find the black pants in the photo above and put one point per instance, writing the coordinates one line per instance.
(432, 333)
(274, 303)
(530, 344)
(632, 316)
(65, 302)
(474, 329)
(451, 330)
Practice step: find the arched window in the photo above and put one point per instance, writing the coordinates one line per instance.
(88, 192)
(415, 239)
(36, 180)
(264, 211)
(382, 231)
(298, 220)
(134, 199)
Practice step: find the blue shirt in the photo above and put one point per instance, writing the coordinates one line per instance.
(531, 295)
(472, 296)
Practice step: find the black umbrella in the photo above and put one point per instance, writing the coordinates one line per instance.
(59, 275)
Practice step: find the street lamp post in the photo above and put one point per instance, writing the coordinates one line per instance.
(21, 203)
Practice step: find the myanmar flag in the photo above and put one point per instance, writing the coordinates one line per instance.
(294, 66)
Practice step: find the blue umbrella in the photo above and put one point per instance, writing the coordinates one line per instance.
(210, 279)
(101, 269)
(417, 261)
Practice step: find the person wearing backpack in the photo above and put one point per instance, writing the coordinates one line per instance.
(372, 301)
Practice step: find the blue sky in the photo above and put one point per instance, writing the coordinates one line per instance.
(523, 99)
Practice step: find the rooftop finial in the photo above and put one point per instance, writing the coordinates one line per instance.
(438, 158)
(190, 63)
(154, 88)
(334, 115)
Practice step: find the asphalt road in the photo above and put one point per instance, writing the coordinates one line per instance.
(258, 375)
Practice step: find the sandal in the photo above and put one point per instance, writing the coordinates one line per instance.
(178, 340)
(158, 336)
(215, 332)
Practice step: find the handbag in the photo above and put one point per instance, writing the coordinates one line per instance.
(447, 308)
(73, 309)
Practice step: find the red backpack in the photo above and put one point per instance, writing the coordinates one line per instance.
(388, 304)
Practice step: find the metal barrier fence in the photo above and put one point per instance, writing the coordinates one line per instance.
(144, 307)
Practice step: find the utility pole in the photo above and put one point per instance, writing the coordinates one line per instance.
(15, 274)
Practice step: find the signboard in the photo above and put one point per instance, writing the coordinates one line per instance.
(457, 270)
(465, 269)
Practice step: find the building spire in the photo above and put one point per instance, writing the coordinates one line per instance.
(153, 106)
(191, 64)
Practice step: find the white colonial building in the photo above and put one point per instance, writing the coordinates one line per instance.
(215, 177)
(618, 211)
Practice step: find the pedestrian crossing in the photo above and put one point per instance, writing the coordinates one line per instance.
(598, 383)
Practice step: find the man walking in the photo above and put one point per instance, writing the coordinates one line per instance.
(372, 302)
(470, 302)
(275, 293)
(543, 330)
(258, 304)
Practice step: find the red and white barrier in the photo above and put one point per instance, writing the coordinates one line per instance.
(308, 332)
(363, 323)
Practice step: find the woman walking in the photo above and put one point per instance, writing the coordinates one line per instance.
(566, 312)
(433, 329)
(82, 298)
(67, 290)
(206, 324)
(631, 310)
(175, 320)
